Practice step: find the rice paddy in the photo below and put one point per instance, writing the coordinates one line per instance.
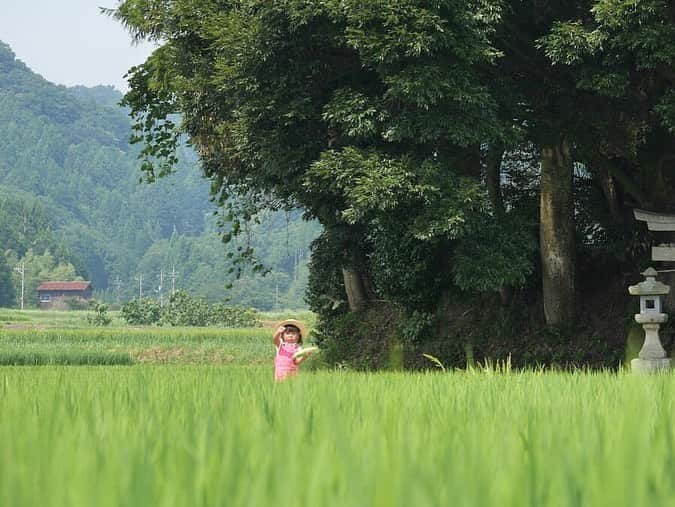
(175, 417)
(204, 435)
(119, 345)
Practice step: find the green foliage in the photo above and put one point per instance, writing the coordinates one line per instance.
(383, 130)
(184, 309)
(6, 288)
(235, 317)
(360, 341)
(325, 289)
(100, 316)
(622, 54)
(141, 312)
(373, 89)
(496, 253)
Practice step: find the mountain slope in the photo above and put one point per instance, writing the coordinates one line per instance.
(68, 148)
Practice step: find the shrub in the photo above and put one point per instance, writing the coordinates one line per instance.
(141, 312)
(362, 340)
(183, 309)
(236, 316)
(100, 316)
(186, 310)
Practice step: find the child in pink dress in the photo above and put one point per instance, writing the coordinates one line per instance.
(288, 340)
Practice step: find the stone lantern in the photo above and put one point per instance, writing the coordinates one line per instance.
(652, 356)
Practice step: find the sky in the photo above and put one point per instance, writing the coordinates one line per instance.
(70, 42)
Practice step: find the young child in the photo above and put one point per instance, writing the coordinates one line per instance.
(288, 340)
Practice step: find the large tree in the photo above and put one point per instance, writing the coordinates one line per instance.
(551, 111)
(390, 123)
(623, 54)
(331, 105)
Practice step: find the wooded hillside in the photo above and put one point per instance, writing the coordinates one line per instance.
(71, 205)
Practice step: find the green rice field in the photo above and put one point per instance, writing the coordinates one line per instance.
(149, 345)
(192, 417)
(229, 435)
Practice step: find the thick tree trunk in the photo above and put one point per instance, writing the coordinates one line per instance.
(556, 233)
(355, 288)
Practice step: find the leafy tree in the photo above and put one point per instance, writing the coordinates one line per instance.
(407, 130)
(372, 98)
(623, 54)
(141, 312)
(7, 294)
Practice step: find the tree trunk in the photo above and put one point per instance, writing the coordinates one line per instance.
(354, 286)
(556, 233)
(610, 192)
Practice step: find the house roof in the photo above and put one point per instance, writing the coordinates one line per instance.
(76, 286)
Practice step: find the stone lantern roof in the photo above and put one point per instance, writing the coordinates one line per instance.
(650, 286)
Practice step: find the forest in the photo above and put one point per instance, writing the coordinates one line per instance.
(72, 207)
(474, 164)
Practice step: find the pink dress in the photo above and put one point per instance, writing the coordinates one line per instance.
(284, 364)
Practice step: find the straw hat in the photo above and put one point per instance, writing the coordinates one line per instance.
(296, 323)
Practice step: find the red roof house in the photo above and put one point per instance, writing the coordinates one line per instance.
(57, 295)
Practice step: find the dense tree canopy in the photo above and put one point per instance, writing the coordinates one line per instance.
(430, 139)
(282, 98)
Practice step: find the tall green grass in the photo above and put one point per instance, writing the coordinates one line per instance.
(143, 345)
(52, 318)
(78, 319)
(21, 357)
(204, 436)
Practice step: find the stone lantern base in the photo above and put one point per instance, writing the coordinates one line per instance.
(652, 357)
(650, 365)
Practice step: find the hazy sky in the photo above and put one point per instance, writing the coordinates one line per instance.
(69, 42)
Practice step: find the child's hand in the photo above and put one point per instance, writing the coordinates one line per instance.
(280, 329)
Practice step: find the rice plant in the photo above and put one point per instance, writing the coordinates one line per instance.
(204, 436)
(142, 345)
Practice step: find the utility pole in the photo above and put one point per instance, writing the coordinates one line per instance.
(161, 283)
(140, 285)
(22, 271)
(173, 279)
(117, 284)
